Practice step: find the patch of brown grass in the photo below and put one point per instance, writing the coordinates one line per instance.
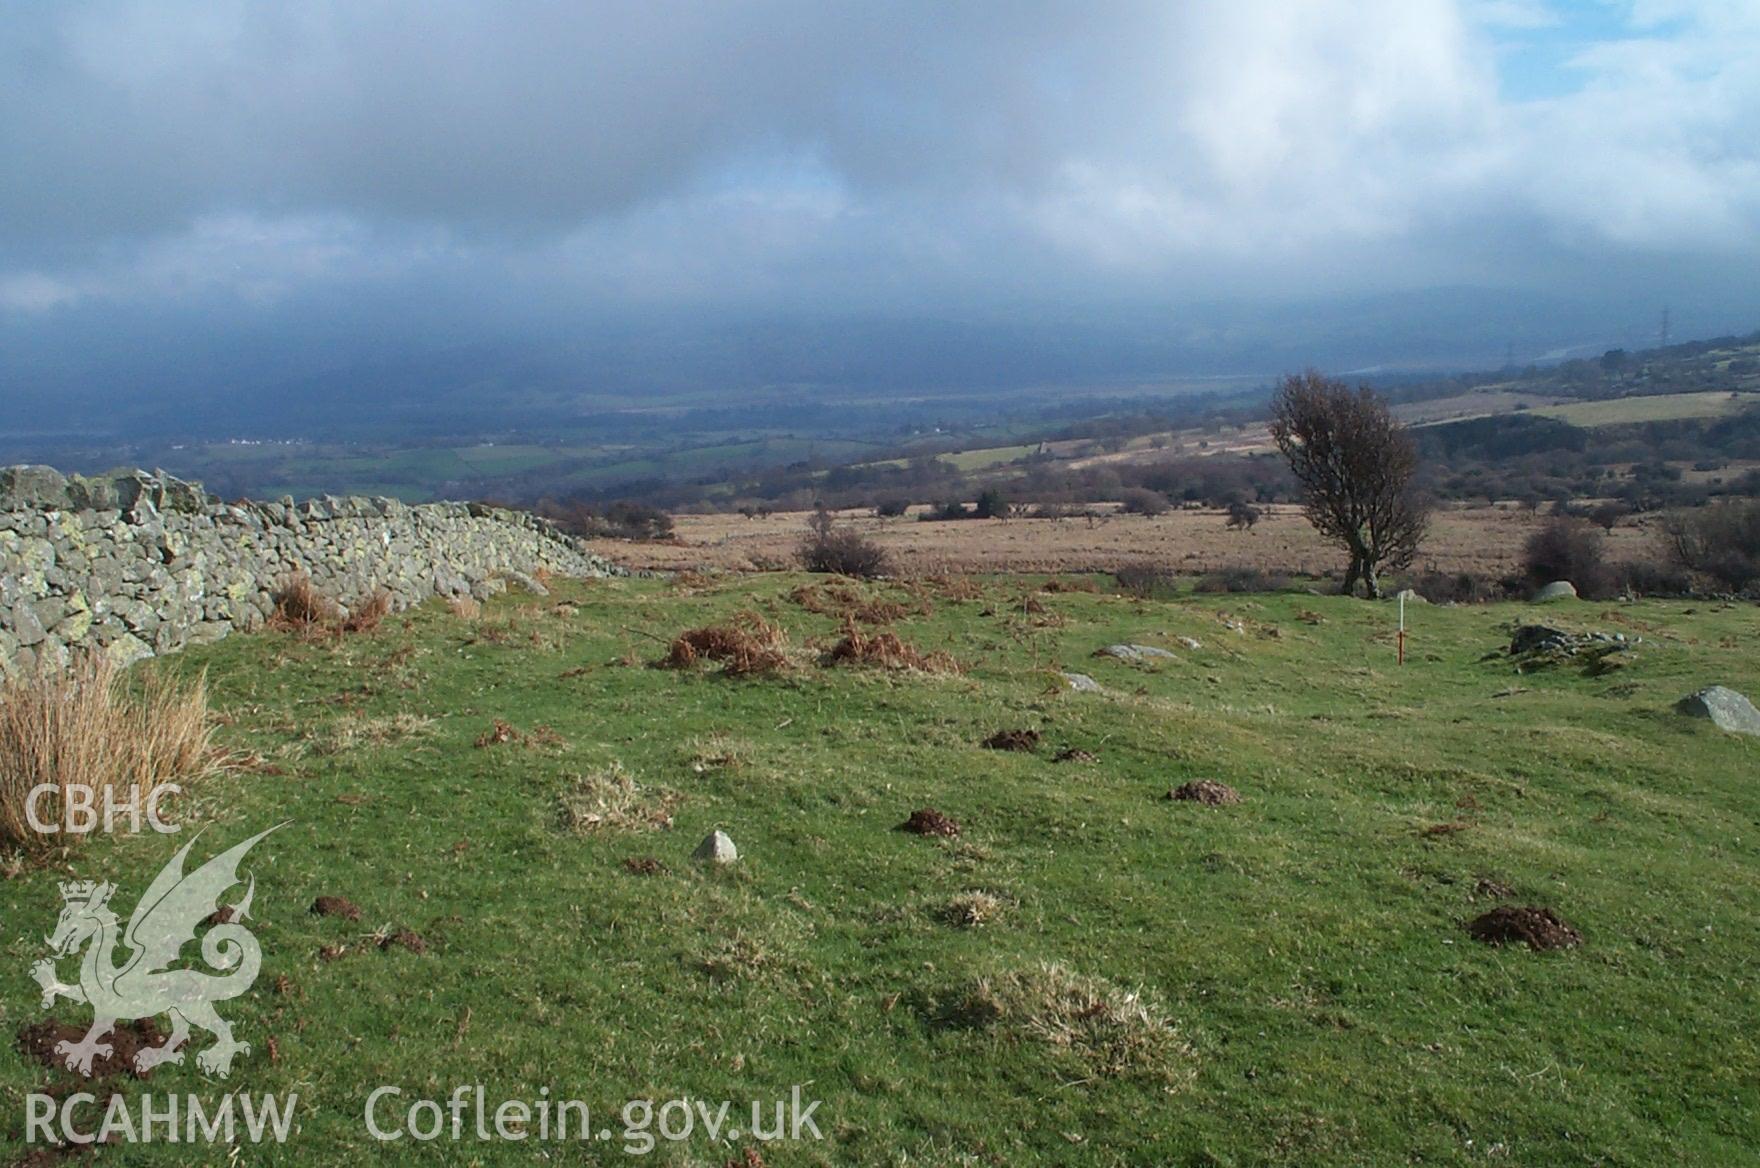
(745, 646)
(356, 731)
(83, 726)
(465, 608)
(1111, 1030)
(610, 799)
(885, 650)
(972, 910)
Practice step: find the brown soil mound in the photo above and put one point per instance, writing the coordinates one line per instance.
(1013, 740)
(412, 941)
(1539, 928)
(336, 906)
(885, 650)
(501, 733)
(748, 644)
(1438, 830)
(37, 1042)
(1075, 755)
(1206, 791)
(928, 821)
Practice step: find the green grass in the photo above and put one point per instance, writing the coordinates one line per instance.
(1306, 943)
(1654, 408)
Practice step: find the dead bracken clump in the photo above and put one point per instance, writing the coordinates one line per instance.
(1539, 928)
(300, 607)
(1012, 740)
(335, 906)
(368, 614)
(928, 821)
(499, 733)
(832, 598)
(643, 866)
(840, 599)
(745, 646)
(1112, 1030)
(885, 650)
(1206, 791)
(1056, 584)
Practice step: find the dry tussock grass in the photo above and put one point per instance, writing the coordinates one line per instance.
(717, 752)
(973, 910)
(83, 726)
(610, 799)
(358, 731)
(465, 608)
(1113, 1031)
(885, 650)
(745, 646)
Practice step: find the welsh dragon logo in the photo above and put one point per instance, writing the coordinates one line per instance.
(145, 985)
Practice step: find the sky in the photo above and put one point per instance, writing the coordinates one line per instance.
(365, 177)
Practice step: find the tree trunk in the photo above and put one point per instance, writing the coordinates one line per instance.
(1353, 574)
(1374, 581)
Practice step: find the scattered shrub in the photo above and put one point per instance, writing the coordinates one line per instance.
(1457, 587)
(1142, 501)
(1243, 516)
(1653, 578)
(844, 551)
(1568, 549)
(624, 519)
(992, 504)
(952, 509)
(1240, 579)
(84, 726)
(891, 508)
(1146, 581)
(1721, 541)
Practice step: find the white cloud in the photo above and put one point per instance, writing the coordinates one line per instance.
(690, 151)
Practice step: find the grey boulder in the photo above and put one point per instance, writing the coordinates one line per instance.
(1557, 590)
(1727, 709)
(716, 848)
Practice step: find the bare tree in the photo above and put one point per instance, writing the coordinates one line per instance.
(1355, 464)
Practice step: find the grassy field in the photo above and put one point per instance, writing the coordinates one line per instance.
(1308, 993)
(1486, 540)
(1627, 411)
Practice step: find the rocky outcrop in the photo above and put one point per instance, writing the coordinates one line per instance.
(135, 564)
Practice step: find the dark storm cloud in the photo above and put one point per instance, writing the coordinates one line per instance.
(799, 154)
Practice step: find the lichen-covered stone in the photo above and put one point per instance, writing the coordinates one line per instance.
(136, 563)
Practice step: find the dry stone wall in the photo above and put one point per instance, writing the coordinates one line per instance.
(137, 563)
